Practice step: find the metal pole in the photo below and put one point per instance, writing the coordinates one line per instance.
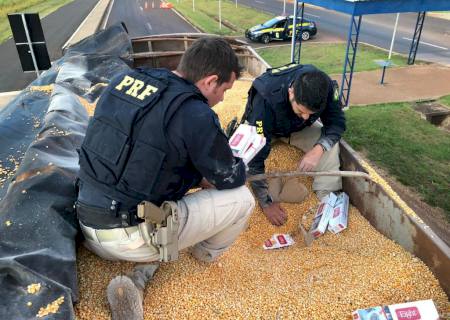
(382, 75)
(220, 15)
(393, 36)
(416, 38)
(193, 5)
(352, 46)
(294, 32)
(30, 46)
(284, 7)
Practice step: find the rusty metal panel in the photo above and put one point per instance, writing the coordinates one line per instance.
(379, 208)
(165, 51)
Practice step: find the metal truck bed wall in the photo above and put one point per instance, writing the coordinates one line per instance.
(371, 199)
(166, 51)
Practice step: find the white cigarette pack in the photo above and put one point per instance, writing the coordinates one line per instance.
(417, 310)
(369, 314)
(323, 215)
(278, 241)
(241, 138)
(423, 310)
(245, 143)
(339, 218)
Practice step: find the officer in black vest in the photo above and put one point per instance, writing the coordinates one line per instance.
(152, 138)
(284, 103)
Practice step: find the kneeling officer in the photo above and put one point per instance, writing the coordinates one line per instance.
(152, 138)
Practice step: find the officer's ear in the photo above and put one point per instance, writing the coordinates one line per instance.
(207, 84)
(211, 81)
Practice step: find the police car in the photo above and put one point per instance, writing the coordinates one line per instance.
(280, 28)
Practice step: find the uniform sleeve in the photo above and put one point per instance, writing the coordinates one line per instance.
(209, 151)
(333, 120)
(259, 114)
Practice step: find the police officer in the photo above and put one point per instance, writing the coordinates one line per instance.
(153, 137)
(284, 104)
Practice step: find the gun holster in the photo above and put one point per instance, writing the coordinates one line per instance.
(160, 228)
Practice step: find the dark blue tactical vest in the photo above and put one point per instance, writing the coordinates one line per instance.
(126, 154)
(273, 87)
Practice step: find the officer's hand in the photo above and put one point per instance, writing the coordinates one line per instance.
(276, 214)
(311, 159)
(205, 184)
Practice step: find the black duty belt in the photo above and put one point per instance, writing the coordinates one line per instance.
(102, 218)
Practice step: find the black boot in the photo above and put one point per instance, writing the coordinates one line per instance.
(125, 293)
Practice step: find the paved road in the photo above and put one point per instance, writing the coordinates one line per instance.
(144, 17)
(58, 28)
(375, 29)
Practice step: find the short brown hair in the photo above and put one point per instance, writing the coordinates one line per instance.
(208, 56)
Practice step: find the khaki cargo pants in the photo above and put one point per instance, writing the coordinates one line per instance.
(305, 140)
(210, 221)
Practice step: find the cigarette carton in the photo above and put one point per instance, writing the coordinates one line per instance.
(245, 143)
(417, 310)
(323, 215)
(241, 138)
(339, 218)
(375, 313)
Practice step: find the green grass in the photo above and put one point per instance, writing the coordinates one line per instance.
(329, 57)
(43, 7)
(206, 16)
(395, 138)
(445, 100)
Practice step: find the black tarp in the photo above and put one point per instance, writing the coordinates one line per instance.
(41, 131)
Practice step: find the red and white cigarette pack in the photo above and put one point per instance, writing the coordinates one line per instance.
(339, 218)
(241, 138)
(245, 143)
(278, 241)
(323, 215)
(253, 148)
(417, 310)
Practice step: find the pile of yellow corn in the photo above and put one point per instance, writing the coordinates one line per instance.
(357, 268)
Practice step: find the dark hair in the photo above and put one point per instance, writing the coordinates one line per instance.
(311, 89)
(208, 56)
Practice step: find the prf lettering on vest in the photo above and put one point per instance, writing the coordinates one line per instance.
(259, 127)
(136, 88)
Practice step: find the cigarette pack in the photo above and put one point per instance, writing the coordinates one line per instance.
(278, 241)
(241, 138)
(339, 218)
(245, 143)
(375, 313)
(323, 215)
(423, 310)
(417, 310)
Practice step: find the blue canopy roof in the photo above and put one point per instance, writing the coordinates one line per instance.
(361, 7)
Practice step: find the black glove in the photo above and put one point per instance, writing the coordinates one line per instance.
(231, 127)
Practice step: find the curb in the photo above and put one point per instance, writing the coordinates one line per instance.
(182, 17)
(90, 24)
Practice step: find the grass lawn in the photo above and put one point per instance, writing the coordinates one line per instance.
(206, 16)
(445, 100)
(43, 7)
(329, 57)
(413, 150)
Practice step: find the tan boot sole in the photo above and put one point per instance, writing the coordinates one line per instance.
(124, 299)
